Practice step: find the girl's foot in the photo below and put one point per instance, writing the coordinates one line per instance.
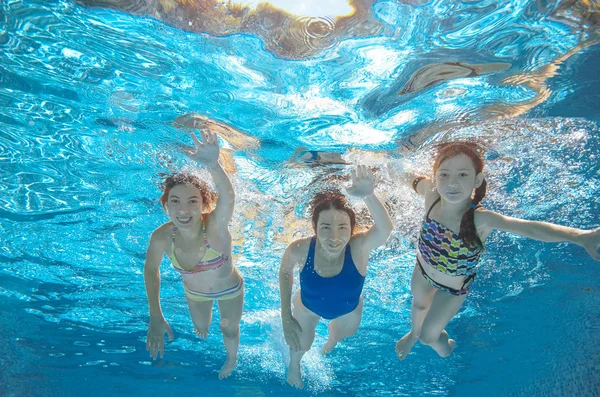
(201, 333)
(227, 368)
(405, 345)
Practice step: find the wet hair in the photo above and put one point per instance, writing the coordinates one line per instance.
(475, 152)
(186, 178)
(331, 199)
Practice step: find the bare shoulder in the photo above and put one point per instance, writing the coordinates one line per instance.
(484, 218)
(162, 234)
(297, 251)
(431, 194)
(485, 222)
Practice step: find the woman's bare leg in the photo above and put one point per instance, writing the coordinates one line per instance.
(308, 321)
(343, 327)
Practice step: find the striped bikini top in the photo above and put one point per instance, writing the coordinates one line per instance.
(211, 260)
(442, 249)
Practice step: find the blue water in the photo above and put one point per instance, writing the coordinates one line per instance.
(87, 98)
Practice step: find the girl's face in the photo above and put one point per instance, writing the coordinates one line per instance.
(333, 230)
(456, 178)
(184, 205)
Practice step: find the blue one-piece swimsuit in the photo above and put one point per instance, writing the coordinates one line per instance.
(330, 297)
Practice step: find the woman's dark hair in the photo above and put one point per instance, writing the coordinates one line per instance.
(186, 178)
(475, 152)
(331, 199)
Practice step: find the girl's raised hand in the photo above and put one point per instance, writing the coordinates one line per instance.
(591, 242)
(362, 182)
(205, 152)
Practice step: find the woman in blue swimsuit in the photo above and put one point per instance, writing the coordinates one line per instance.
(198, 243)
(332, 265)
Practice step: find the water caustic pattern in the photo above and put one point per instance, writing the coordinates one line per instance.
(98, 96)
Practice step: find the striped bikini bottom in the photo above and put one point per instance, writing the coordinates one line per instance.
(228, 293)
(464, 289)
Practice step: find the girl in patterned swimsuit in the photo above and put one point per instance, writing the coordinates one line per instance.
(198, 243)
(452, 238)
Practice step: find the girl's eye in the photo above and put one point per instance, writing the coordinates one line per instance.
(444, 175)
(324, 227)
(174, 201)
(193, 201)
(463, 174)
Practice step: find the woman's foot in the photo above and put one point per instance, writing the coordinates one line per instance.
(405, 345)
(295, 376)
(227, 368)
(329, 346)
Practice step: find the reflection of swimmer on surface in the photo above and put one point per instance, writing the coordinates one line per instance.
(582, 15)
(332, 265)
(535, 80)
(236, 138)
(316, 157)
(382, 100)
(452, 238)
(284, 35)
(195, 231)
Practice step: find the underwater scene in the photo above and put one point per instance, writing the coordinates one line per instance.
(417, 181)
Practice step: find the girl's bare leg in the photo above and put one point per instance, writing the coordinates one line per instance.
(201, 313)
(443, 309)
(231, 315)
(423, 293)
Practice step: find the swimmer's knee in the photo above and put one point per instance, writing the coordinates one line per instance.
(421, 306)
(230, 330)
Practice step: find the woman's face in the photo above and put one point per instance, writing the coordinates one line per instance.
(334, 230)
(456, 178)
(184, 205)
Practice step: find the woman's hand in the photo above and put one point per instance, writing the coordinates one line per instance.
(155, 339)
(590, 240)
(205, 152)
(292, 331)
(362, 182)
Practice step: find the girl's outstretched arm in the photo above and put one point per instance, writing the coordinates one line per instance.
(158, 326)
(541, 231)
(362, 186)
(206, 152)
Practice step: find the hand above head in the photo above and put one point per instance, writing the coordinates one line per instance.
(155, 338)
(591, 242)
(362, 182)
(205, 152)
(292, 331)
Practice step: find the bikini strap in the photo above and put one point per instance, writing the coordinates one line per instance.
(204, 237)
(433, 205)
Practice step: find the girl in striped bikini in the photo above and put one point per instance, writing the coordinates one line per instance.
(451, 241)
(198, 243)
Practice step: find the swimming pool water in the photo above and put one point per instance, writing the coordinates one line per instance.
(87, 101)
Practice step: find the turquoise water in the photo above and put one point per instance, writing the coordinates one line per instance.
(88, 97)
